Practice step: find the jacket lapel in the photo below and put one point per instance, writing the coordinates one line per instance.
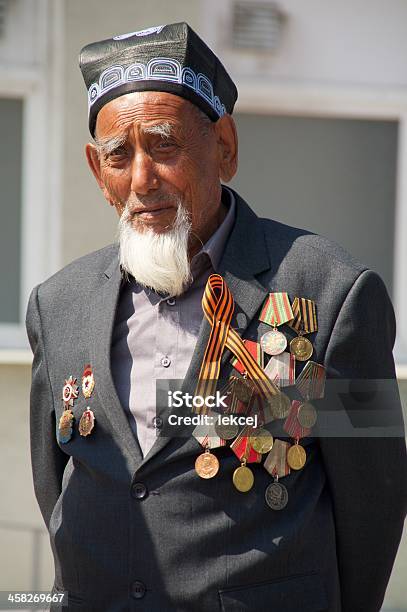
(102, 315)
(245, 256)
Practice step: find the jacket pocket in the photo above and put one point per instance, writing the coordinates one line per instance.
(70, 601)
(290, 594)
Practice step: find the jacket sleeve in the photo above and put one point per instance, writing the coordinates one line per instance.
(47, 460)
(367, 474)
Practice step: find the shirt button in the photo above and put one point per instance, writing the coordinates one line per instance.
(157, 422)
(165, 361)
(139, 490)
(138, 589)
(171, 301)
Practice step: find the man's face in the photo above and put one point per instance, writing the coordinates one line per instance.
(154, 150)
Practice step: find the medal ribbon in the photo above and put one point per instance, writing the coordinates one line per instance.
(305, 317)
(311, 382)
(254, 349)
(218, 306)
(277, 309)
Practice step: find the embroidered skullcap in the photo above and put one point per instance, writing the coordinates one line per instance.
(170, 58)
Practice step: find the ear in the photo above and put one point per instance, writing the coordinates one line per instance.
(93, 158)
(225, 129)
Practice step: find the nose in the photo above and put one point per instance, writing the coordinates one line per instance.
(144, 176)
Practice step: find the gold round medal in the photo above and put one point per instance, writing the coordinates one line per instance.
(296, 457)
(207, 465)
(262, 441)
(301, 348)
(243, 479)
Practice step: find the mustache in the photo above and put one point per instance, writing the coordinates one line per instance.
(133, 202)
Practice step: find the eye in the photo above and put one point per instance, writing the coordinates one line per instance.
(118, 152)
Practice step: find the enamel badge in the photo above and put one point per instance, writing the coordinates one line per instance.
(69, 392)
(87, 422)
(88, 381)
(65, 426)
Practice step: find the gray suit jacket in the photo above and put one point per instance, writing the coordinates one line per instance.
(129, 533)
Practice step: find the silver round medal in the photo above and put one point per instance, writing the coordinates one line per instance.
(273, 342)
(276, 496)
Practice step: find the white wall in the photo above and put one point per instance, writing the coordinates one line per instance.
(354, 42)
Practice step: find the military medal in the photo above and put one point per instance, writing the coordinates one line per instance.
(226, 431)
(261, 441)
(243, 389)
(207, 464)
(276, 309)
(296, 456)
(205, 433)
(243, 477)
(87, 422)
(292, 425)
(234, 405)
(276, 495)
(65, 426)
(243, 449)
(279, 405)
(69, 392)
(304, 322)
(311, 381)
(276, 461)
(306, 415)
(281, 369)
(273, 342)
(301, 348)
(88, 381)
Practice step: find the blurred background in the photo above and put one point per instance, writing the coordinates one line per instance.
(322, 123)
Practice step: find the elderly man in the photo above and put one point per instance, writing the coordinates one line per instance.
(224, 516)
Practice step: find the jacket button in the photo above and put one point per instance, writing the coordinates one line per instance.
(165, 361)
(138, 589)
(157, 422)
(139, 490)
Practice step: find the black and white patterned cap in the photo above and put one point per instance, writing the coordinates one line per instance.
(170, 58)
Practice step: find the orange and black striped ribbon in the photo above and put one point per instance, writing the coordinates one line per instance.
(218, 306)
(305, 316)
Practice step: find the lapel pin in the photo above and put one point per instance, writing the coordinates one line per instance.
(69, 392)
(88, 381)
(87, 422)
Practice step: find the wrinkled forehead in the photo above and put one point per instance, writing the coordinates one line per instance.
(145, 109)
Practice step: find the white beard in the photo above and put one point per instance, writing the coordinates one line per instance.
(157, 260)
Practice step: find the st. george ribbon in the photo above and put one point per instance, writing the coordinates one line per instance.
(218, 307)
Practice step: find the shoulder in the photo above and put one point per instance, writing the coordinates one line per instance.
(294, 247)
(309, 249)
(80, 276)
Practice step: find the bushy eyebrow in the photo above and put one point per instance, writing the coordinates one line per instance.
(107, 145)
(164, 129)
